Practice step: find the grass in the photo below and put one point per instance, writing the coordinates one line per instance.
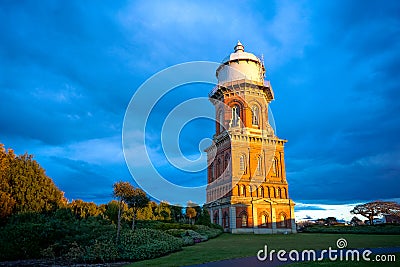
(229, 246)
(361, 229)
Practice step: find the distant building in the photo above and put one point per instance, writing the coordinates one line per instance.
(247, 191)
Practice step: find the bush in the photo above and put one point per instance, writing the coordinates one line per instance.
(34, 236)
(60, 236)
(196, 236)
(188, 240)
(207, 231)
(217, 226)
(189, 237)
(146, 244)
(176, 232)
(201, 233)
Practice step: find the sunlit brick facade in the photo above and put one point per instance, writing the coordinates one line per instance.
(247, 189)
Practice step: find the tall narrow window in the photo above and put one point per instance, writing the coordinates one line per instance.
(283, 220)
(221, 121)
(235, 115)
(275, 167)
(212, 171)
(264, 220)
(226, 220)
(216, 217)
(218, 167)
(255, 115)
(242, 163)
(261, 192)
(227, 167)
(259, 164)
(242, 191)
(244, 220)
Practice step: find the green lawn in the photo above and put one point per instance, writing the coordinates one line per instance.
(228, 246)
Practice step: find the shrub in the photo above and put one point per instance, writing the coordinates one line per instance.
(207, 231)
(176, 232)
(201, 233)
(217, 226)
(31, 236)
(196, 236)
(146, 244)
(188, 240)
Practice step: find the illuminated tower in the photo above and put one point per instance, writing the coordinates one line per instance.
(247, 189)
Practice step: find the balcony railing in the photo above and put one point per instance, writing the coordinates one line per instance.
(264, 83)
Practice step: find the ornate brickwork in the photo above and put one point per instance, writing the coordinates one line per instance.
(247, 189)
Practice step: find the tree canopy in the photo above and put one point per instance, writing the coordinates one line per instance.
(24, 185)
(135, 198)
(373, 209)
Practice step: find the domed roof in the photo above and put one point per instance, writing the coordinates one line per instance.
(239, 54)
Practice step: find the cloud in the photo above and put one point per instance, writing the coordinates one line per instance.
(69, 70)
(308, 207)
(316, 211)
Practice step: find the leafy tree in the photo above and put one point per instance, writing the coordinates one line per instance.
(121, 192)
(176, 212)
(136, 200)
(331, 221)
(163, 211)
(192, 211)
(24, 185)
(83, 210)
(7, 203)
(373, 209)
(356, 221)
(111, 211)
(147, 212)
(204, 217)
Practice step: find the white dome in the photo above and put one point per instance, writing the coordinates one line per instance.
(240, 65)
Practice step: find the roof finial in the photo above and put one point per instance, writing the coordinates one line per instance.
(239, 47)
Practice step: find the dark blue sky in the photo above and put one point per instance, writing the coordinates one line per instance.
(69, 69)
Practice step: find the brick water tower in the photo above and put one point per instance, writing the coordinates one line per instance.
(247, 191)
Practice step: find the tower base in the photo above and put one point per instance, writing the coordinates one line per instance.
(253, 215)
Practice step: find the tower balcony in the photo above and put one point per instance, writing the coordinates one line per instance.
(242, 84)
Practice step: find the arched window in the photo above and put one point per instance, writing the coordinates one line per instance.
(216, 217)
(279, 193)
(242, 163)
(259, 165)
(284, 195)
(243, 218)
(275, 167)
(212, 171)
(283, 220)
(264, 220)
(255, 115)
(242, 190)
(235, 115)
(225, 220)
